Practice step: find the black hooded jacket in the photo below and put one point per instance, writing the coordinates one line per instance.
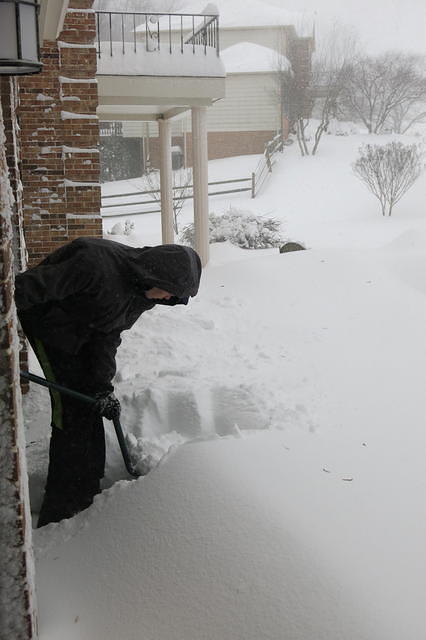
(84, 294)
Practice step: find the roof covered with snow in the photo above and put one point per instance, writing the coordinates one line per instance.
(251, 13)
(246, 57)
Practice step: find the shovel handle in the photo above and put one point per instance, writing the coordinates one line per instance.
(84, 398)
(57, 387)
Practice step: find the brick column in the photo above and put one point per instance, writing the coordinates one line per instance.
(60, 136)
(300, 55)
(9, 101)
(17, 602)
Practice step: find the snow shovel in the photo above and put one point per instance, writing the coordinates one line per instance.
(81, 396)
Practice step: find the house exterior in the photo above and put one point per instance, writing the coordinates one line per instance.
(50, 194)
(158, 80)
(251, 113)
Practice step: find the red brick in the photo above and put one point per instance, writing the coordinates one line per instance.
(44, 132)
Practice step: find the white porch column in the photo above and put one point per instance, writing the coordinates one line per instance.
(201, 180)
(166, 182)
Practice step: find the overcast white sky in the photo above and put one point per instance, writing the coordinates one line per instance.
(382, 24)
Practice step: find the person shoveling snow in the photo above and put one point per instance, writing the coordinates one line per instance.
(73, 307)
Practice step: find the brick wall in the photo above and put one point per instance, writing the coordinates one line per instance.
(239, 143)
(59, 137)
(300, 55)
(17, 608)
(9, 99)
(221, 144)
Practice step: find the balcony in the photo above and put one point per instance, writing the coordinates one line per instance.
(160, 60)
(155, 66)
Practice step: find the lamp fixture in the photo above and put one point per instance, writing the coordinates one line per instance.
(19, 37)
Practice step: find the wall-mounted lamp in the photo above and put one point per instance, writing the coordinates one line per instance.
(19, 39)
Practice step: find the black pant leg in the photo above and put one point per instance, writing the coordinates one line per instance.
(77, 445)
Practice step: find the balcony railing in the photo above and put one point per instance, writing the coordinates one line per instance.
(114, 129)
(175, 32)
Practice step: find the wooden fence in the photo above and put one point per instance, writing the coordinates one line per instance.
(256, 181)
(266, 163)
(122, 208)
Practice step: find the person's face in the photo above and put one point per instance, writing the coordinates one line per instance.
(158, 294)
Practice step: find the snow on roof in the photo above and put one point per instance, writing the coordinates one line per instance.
(246, 57)
(234, 14)
(253, 13)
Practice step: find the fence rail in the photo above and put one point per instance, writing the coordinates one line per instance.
(121, 205)
(119, 32)
(266, 163)
(256, 180)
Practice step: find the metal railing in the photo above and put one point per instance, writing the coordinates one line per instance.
(123, 31)
(111, 129)
(207, 34)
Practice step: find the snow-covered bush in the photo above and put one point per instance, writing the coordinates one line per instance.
(242, 228)
(389, 171)
(119, 230)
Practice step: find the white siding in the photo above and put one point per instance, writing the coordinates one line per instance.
(135, 129)
(250, 105)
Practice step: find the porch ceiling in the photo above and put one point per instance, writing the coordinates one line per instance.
(139, 113)
(149, 98)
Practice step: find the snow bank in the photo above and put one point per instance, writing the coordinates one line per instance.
(314, 527)
(200, 548)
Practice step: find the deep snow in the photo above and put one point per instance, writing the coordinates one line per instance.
(291, 504)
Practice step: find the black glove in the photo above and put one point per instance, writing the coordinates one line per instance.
(107, 405)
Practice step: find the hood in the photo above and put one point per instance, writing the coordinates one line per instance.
(171, 267)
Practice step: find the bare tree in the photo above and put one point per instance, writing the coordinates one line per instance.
(323, 89)
(413, 110)
(295, 105)
(330, 75)
(182, 188)
(382, 87)
(388, 171)
(406, 116)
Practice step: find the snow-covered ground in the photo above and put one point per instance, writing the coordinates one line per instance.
(282, 413)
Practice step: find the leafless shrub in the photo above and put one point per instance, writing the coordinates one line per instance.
(388, 171)
(182, 189)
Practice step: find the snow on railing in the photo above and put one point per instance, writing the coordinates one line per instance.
(156, 31)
